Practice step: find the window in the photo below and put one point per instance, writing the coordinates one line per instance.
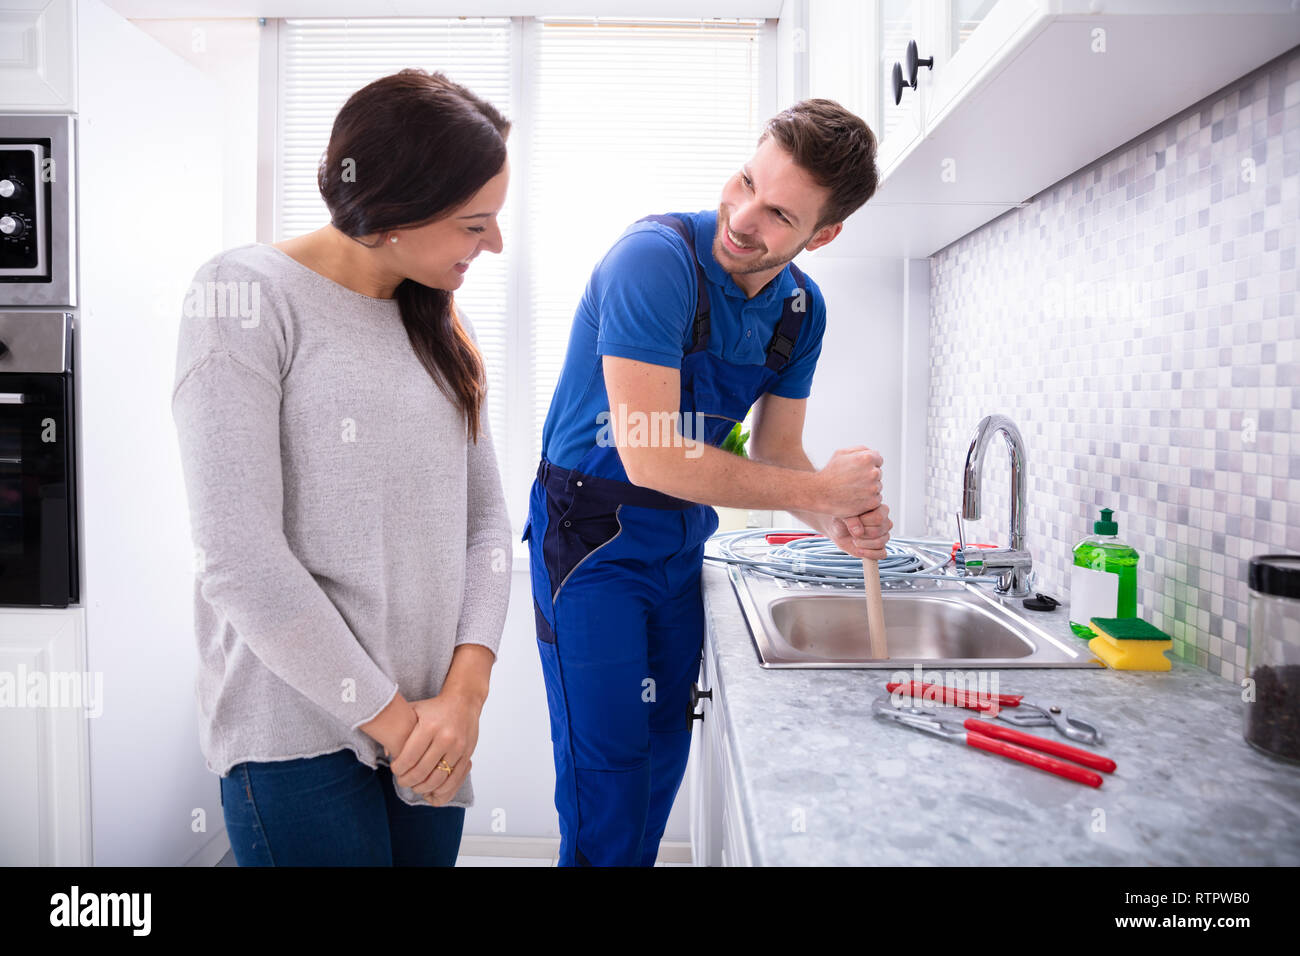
(612, 120)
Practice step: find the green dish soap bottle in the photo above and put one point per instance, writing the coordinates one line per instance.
(1104, 552)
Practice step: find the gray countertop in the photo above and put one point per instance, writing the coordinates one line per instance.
(823, 782)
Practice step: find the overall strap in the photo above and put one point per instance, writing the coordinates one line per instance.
(781, 347)
(700, 334)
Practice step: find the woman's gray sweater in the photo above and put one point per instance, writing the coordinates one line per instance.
(348, 535)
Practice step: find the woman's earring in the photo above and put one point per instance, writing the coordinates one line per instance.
(392, 238)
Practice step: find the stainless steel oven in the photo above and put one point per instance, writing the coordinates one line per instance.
(38, 515)
(37, 217)
(38, 479)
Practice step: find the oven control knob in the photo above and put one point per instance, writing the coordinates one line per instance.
(8, 187)
(13, 226)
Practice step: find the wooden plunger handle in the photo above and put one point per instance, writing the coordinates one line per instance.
(875, 609)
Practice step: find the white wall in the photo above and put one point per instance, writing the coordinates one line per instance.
(513, 769)
(857, 391)
(226, 52)
(909, 515)
(149, 211)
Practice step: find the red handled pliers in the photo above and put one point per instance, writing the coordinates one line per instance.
(1013, 708)
(983, 735)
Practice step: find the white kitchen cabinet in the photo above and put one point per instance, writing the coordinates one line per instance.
(735, 849)
(718, 832)
(853, 47)
(46, 696)
(898, 125)
(705, 772)
(39, 67)
(1022, 93)
(968, 39)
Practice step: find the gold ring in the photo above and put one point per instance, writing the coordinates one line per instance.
(442, 765)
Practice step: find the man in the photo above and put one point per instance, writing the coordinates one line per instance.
(701, 314)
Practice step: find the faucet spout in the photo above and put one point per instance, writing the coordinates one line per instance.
(1013, 579)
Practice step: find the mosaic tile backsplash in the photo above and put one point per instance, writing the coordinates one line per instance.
(1137, 321)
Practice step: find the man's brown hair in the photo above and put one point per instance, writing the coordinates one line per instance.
(834, 147)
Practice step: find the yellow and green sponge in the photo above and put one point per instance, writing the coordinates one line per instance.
(1130, 644)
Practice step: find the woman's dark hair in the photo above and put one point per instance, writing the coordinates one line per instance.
(405, 150)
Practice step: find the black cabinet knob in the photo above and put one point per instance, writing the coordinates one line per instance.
(696, 696)
(914, 64)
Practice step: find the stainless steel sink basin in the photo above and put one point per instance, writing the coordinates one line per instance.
(926, 626)
(927, 622)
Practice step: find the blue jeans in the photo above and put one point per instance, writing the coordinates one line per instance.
(332, 810)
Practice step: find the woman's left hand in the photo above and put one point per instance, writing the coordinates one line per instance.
(446, 729)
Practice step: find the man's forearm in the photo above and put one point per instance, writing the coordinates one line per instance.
(726, 480)
(813, 519)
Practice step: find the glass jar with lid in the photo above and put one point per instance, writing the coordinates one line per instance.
(1272, 722)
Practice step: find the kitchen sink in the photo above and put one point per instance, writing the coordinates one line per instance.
(819, 618)
(927, 622)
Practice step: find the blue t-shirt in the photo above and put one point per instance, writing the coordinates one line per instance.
(640, 304)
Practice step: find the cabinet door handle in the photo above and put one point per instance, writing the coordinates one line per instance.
(914, 64)
(696, 696)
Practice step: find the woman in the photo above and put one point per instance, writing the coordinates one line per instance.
(353, 548)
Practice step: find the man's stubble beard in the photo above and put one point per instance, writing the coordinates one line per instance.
(763, 264)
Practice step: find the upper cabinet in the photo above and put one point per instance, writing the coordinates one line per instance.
(859, 55)
(896, 24)
(38, 71)
(1011, 96)
(852, 47)
(969, 37)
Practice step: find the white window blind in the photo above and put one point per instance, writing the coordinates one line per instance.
(322, 63)
(628, 119)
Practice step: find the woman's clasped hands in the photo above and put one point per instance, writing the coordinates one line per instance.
(435, 757)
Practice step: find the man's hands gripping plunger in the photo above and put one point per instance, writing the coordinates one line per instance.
(851, 486)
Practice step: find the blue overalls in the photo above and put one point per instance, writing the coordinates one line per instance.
(615, 573)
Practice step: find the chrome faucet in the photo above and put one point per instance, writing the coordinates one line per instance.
(1011, 564)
